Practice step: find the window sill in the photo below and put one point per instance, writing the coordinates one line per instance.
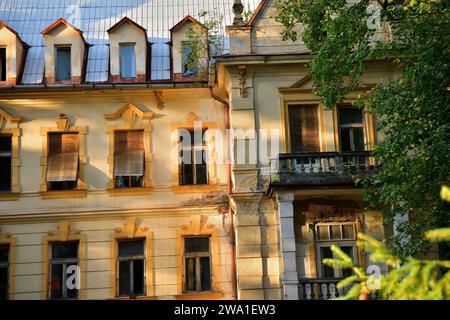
(9, 196)
(136, 298)
(200, 188)
(63, 194)
(199, 296)
(130, 191)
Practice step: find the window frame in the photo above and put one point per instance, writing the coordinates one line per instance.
(352, 126)
(134, 73)
(10, 155)
(65, 184)
(128, 178)
(192, 149)
(131, 259)
(64, 262)
(58, 47)
(327, 243)
(7, 265)
(197, 255)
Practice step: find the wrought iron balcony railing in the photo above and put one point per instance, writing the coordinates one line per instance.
(321, 167)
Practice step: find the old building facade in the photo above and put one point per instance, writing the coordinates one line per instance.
(96, 109)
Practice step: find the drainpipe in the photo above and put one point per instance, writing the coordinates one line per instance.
(230, 189)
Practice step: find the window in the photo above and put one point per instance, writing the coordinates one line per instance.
(193, 155)
(341, 234)
(351, 129)
(197, 264)
(188, 69)
(63, 64)
(62, 161)
(131, 268)
(4, 272)
(304, 128)
(2, 64)
(5, 163)
(129, 159)
(127, 61)
(63, 259)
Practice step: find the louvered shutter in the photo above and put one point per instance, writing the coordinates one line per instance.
(304, 128)
(62, 161)
(129, 153)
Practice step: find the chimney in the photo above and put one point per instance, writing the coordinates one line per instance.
(238, 8)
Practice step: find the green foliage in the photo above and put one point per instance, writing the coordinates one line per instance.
(408, 279)
(412, 108)
(204, 42)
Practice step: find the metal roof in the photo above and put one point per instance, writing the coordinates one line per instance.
(95, 17)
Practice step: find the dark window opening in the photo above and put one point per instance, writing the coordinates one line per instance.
(2, 64)
(187, 58)
(351, 129)
(62, 161)
(193, 169)
(129, 159)
(63, 64)
(4, 272)
(197, 264)
(5, 163)
(63, 266)
(131, 268)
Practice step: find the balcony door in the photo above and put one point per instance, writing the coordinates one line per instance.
(351, 129)
(304, 128)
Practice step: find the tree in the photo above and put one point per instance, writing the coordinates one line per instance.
(413, 111)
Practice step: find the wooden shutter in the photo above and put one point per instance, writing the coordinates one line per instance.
(129, 153)
(304, 128)
(62, 162)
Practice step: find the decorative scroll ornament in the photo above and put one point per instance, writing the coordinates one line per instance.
(242, 81)
(340, 211)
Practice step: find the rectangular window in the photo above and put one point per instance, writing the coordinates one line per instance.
(351, 129)
(5, 163)
(129, 162)
(127, 60)
(193, 155)
(131, 268)
(341, 234)
(304, 128)
(63, 64)
(4, 272)
(197, 264)
(62, 161)
(188, 69)
(2, 64)
(63, 268)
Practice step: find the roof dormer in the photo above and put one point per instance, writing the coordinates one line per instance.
(128, 51)
(65, 53)
(184, 67)
(12, 55)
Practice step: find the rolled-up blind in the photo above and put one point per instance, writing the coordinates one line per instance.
(304, 128)
(129, 153)
(62, 161)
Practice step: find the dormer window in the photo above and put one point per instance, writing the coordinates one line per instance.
(128, 52)
(65, 53)
(63, 63)
(12, 55)
(2, 64)
(127, 60)
(189, 53)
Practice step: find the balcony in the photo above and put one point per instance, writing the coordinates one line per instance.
(322, 289)
(321, 168)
